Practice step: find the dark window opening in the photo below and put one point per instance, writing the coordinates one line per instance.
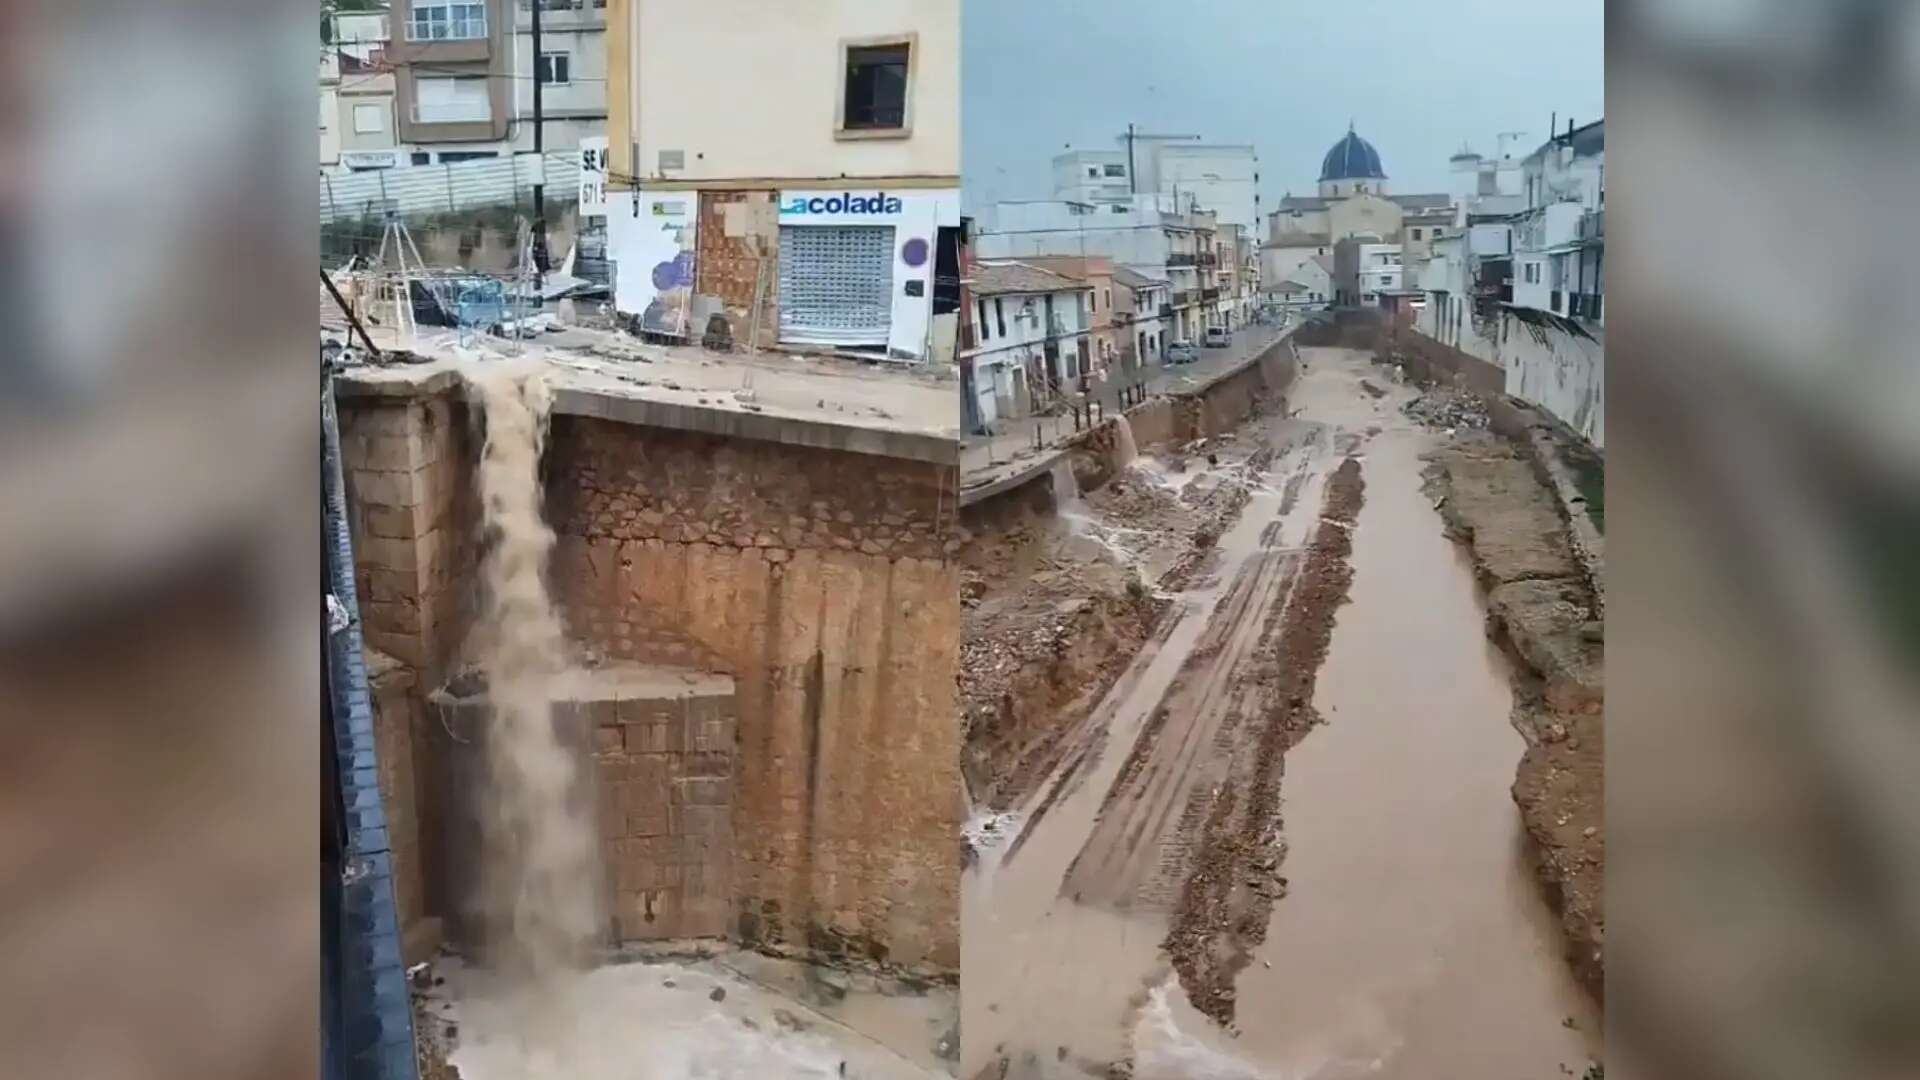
(1000, 317)
(876, 87)
(553, 68)
(946, 270)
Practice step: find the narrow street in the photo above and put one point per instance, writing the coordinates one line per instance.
(1012, 448)
(1164, 900)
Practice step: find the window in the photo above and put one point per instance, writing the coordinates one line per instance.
(1416, 234)
(982, 305)
(420, 157)
(447, 20)
(1000, 316)
(554, 68)
(452, 100)
(450, 157)
(1092, 171)
(369, 119)
(1116, 170)
(1109, 299)
(876, 97)
(1118, 209)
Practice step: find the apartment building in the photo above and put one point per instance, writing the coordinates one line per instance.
(357, 126)
(792, 171)
(456, 80)
(1146, 234)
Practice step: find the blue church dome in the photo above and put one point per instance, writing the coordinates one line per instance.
(1352, 158)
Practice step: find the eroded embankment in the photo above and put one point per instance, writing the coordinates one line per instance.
(1223, 906)
(1058, 600)
(1542, 610)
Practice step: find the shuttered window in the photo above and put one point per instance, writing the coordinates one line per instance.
(836, 284)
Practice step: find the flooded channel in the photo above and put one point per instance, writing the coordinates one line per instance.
(1053, 983)
(1412, 940)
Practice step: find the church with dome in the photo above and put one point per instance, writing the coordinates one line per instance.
(1298, 262)
(1352, 167)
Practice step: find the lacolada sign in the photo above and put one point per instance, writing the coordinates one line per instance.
(843, 207)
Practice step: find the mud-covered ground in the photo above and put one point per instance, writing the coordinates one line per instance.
(1223, 908)
(1058, 600)
(1542, 610)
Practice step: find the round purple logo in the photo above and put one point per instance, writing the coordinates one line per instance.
(914, 252)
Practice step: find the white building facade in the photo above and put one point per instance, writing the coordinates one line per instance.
(811, 205)
(1143, 234)
(1523, 289)
(1030, 343)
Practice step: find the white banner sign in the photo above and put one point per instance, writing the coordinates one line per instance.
(593, 176)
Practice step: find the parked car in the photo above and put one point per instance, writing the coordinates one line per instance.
(1181, 352)
(1217, 337)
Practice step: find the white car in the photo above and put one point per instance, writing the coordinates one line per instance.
(1217, 337)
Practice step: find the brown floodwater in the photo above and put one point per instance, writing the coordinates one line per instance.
(1412, 941)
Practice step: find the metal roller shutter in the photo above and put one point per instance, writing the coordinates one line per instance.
(836, 284)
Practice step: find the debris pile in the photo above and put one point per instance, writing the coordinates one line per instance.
(1445, 407)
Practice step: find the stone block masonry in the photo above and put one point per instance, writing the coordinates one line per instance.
(823, 581)
(657, 760)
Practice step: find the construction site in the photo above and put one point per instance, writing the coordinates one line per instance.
(1282, 703)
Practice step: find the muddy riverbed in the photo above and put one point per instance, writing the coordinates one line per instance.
(1275, 837)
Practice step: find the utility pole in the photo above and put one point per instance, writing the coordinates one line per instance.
(1133, 185)
(540, 257)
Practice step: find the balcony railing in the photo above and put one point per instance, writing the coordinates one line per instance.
(1584, 306)
(1179, 258)
(1593, 226)
(1208, 258)
(1166, 311)
(1183, 297)
(1209, 294)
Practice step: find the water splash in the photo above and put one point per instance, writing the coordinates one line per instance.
(1066, 487)
(1125, 450)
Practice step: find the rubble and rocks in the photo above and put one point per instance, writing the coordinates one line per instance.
(1449, 409)
(1055, 609)
(433, 1035)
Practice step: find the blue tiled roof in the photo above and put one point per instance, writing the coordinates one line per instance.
(1352, 158)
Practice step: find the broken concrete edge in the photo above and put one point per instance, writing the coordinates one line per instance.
(761, 426)
(1589, 544)
(1040, 465)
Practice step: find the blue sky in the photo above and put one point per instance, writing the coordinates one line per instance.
(1417, 78)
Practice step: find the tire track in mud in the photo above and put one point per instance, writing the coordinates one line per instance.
(1142, 839)
(1232, 880)
(1136, 839)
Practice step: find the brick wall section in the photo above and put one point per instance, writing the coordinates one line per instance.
(661, 783)
(413, 513)
(612, 481)
(665, 770)
(823, 582)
